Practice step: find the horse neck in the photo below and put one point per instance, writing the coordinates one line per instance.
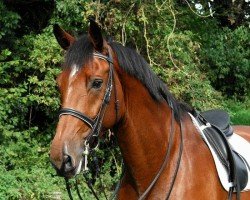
(143, 134)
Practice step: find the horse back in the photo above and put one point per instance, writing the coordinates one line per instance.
(243, 131)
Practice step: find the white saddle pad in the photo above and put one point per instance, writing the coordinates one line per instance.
(239, 144)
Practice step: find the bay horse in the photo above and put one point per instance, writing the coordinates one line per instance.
(105, 85)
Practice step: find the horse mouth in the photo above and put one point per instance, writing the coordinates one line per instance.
(73, 172)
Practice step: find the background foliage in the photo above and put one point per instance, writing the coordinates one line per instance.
(203, 59)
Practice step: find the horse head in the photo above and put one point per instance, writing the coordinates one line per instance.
(90, 91)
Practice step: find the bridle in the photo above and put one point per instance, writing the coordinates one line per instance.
(96, 126)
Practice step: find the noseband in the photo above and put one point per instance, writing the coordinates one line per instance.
(94, 124)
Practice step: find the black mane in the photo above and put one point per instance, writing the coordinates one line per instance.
(79, 53)
(134, 64)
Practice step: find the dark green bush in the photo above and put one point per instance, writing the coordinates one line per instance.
(226, 57)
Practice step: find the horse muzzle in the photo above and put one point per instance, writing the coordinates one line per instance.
(65, 163)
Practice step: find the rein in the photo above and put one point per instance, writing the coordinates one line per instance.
(170, 144)
(96, 125)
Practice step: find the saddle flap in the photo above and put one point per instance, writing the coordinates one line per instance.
(231, 155)
(230, 159)
(241, 171)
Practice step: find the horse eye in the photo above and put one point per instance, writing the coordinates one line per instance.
(97, 84)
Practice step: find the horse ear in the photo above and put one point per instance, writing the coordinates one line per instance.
(63, 38)
(95, 35)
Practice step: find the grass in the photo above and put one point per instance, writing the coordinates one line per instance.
(240, 112)
(242, 117)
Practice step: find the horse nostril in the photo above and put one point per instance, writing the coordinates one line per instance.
(66, 158)
(68, 163)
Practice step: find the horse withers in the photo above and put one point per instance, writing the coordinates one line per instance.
(108, 86)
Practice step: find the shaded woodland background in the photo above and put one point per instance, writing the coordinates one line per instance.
(200, 48)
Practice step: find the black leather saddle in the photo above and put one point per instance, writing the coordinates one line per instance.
(217, 129)
(220, 119)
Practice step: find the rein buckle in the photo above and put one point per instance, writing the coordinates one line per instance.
(85, 154)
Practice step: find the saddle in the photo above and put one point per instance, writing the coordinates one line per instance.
(220, 119)
(215, 125)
